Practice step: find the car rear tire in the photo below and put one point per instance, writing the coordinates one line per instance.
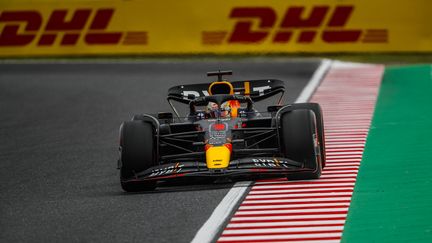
(299, 142)
(137, 154)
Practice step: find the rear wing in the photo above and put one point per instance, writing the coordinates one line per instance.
(256, 89)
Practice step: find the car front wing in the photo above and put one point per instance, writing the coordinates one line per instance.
(258, 166)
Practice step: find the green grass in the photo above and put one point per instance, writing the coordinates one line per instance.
(392, 197)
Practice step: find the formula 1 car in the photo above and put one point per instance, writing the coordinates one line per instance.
(223, 136)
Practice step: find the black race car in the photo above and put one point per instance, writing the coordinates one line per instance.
(223, 136)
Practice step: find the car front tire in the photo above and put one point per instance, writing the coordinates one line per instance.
(299, 142)
(137, 148)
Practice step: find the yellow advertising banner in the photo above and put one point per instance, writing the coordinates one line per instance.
(111, 27)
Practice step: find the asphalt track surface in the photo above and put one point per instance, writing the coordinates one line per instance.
(58, 149)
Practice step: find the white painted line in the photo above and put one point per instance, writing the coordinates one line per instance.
(339, 160)
(283, 230)
(344, 153)
(286, 211)
(348, 171)
(309, 89)
(294, 190)
(348, 165)
(213, 225)
(346, 136)
(346, 157)
(349, 126)
(349, 65)
(310, 241)
(217, 219)
(288, 223)
(289, 217)
(329, 194)
(323, 185)
(299, 201)
(346, 176)
(343, 150)
(280, 237)
(350, 146)
(309, 181)
(340, 139)
(262, 207)
(339, 167)
(345, 130)
(343, 156)
(343, 143)
(305, 241)
(335, 172)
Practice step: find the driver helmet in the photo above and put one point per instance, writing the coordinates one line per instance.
(213, 109)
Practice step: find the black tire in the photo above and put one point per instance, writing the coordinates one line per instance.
(316, 108)
(137, 154)
(299, 142)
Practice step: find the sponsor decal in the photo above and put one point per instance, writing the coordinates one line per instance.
(259, 89)
(173, 169)
(64, 28)
(299, 24)
(272, 163)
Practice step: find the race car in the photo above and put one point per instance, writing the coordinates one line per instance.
(222, 136)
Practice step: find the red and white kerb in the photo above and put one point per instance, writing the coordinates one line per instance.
(315, 211)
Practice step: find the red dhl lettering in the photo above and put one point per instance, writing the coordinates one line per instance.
(68, 31)
(296, 24)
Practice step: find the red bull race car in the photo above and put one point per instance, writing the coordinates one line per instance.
(223, 136)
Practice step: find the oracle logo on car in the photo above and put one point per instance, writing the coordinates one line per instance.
(21, 28)
(254, 25)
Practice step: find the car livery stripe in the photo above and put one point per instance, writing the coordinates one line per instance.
(315, 211)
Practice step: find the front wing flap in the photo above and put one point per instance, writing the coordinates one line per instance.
(237, 168)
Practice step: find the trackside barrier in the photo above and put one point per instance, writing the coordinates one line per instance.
(111, 27)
